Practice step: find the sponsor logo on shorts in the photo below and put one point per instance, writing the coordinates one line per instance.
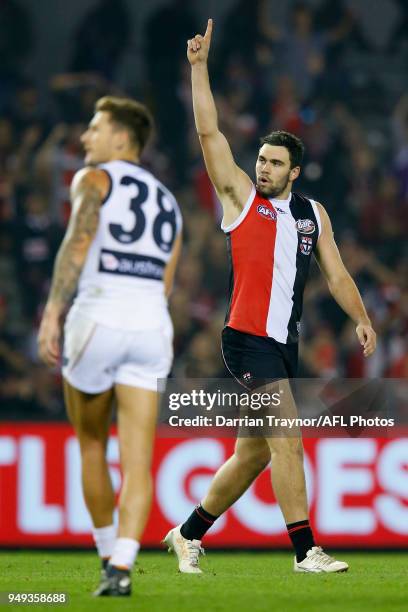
(130, 264)
(306, 245)
(305, 226)
(266, 212)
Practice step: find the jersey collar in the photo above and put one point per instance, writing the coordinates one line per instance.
(281, 203)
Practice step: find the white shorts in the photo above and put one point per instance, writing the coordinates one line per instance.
(96, 357)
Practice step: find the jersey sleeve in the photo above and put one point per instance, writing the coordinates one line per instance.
(179, 218)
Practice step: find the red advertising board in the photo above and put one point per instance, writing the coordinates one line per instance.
(358, 490)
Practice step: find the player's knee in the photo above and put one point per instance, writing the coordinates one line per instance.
(286, 446)
(92, 452)
(91, 440)
(135, 463)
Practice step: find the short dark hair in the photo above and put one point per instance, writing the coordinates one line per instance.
(292, 143)
(129, 114)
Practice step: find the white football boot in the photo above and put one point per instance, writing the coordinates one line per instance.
(317, 562)
(187, 551)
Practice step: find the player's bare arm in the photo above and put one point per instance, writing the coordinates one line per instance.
(88, 190)
(232, 184)
(87, 195)
(341, 285)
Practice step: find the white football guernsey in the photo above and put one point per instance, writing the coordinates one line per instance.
(121, 285)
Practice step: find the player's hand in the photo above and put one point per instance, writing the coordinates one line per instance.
(199, 46)
(367, 338)
(48, 338)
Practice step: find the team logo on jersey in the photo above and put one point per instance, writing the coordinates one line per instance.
(306, 245)
(266, 212)
(305, 226)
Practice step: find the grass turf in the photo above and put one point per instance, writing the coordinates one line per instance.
(232, 582)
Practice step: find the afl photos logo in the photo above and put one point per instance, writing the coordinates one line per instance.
(305, 226)
(266, 212)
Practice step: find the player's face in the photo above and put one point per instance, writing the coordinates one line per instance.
(273, 171)
(99, 139)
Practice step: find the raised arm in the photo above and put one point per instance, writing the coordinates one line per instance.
(88, 190)
(232, 184)
(341, 285)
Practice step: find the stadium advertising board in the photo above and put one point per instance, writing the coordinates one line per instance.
(358, 489)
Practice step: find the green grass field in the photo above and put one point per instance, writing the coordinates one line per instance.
(232, 582)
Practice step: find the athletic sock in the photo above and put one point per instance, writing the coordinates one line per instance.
(104, 538)
(302, 538)
(124, 553)
(197, 524)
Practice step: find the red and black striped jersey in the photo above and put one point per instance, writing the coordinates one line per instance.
(270, 245)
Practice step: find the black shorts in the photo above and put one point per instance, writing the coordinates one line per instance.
(255, 360)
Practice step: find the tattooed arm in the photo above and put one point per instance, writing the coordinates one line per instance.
(89, 187)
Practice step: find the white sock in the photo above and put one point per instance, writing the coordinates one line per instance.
(105, 538)
(124, 552)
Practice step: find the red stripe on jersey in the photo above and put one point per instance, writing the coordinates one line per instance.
(252, 259)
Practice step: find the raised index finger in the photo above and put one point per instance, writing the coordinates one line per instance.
(208, 32)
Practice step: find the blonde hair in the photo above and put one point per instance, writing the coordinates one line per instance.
(129, 114)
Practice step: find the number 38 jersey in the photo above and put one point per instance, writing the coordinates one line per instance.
(121, 285)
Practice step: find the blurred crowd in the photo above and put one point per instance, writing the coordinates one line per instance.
(307, 70)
